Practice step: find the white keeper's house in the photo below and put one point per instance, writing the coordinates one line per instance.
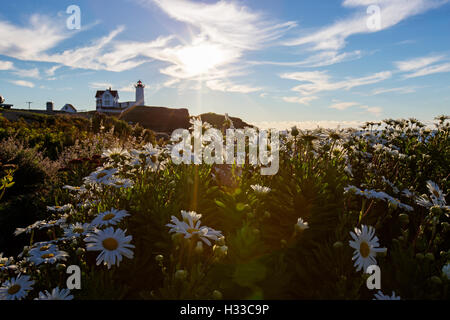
(108, 100)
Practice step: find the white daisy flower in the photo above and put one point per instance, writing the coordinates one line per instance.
(190, 228)
(436, 195)
(301, 225)
(366, 246)
(260, 189)
(190, 216)
(16, 288)
(114, 152)
(424, 201)
(120, 183)
(76, 189)
(107, 218)
(63, 208)
(381, 296)
(54, 223)
(407, 193)
(30, 228)
(152, 156)
(56, 294)
(101, 176)
(435, 191)
(77, 230)
(113, 244)
(46, 253)
(7, 264)
(446, 271)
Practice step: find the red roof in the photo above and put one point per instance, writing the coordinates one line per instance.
(101, 92)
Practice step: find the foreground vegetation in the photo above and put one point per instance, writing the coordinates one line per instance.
(141, 227)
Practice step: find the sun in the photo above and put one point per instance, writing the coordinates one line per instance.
(201, 59)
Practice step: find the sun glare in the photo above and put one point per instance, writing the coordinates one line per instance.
(200, 59)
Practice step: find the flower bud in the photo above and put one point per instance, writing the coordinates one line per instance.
(404, 219)
(61, 267)
(221, 241)
(436, 211)
(429, 256)
(80, 251)
(420, 256)
(338, 245)
(199, 247)
(217, 295)
(224, 250)
(436, 280)
(181, 275)
(159, 258)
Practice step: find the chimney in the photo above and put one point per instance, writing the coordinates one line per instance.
(50, 106)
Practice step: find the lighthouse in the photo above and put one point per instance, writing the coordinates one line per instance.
(140, 93)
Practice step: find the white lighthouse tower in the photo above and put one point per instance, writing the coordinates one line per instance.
(140, 93)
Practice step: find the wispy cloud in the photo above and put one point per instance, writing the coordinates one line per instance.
(321, 59)
(28, 42)
(100, 85)
(441, 68)
(418, 63)
(28, 73)
(6, 65)
(400, 90)
(222, 33)
(377, 111)
(423, 66)
(22, 83)
(392, 12)
(318, 81)
(227, 86)
(51, 71)
(300, 100)
(343, 105)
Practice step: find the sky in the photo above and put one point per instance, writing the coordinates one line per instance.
(271, 63)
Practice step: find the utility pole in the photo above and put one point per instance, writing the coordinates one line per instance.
(29, 104)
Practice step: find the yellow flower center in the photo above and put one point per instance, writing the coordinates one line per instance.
(108, 216)
(192, 230)
(14, 289)
(78, 230)
(364, 249)
(44, 248)
(154, 159)
(110, 244)
(47, 256)
(58, 207)
(101, 175)
(2, 265)
(436, 194)
(119, 183)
